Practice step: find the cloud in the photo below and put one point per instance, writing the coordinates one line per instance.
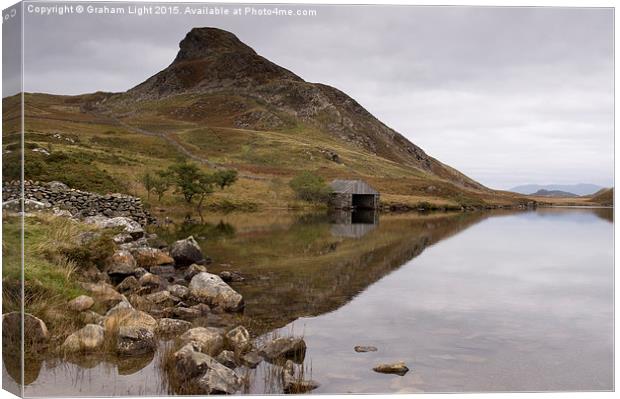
(506, 95)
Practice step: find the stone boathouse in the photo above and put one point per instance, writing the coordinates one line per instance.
(353, 194)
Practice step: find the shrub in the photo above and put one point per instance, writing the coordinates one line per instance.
(310, 187)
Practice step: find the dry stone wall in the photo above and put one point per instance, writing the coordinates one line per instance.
(78, 203)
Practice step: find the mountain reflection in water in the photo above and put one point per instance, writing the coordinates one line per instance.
(323, 275)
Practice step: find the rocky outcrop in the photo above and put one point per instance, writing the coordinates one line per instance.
(129, 226)
(167, 326)
(211, 289)
(78, 203)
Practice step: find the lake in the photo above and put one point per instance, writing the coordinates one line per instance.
(471, 302)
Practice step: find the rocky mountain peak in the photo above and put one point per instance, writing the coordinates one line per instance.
(208, 42)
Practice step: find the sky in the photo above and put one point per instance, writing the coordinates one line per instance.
(508, 96)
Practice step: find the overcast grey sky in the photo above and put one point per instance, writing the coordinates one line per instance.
(506, 95)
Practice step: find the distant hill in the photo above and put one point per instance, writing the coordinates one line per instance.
(553, 193)
(577, 189)
(604, 197)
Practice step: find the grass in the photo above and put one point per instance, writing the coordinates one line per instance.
(52, 262)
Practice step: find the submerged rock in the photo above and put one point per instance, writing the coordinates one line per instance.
(81, 303)
(88, 339)
(209, 288)
(187, 251)
(208, 340)
(284, 348)
(365, 349)
(392, 368)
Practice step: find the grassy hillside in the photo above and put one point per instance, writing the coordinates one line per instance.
(106, 149)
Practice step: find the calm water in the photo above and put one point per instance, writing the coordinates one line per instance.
(471, 302)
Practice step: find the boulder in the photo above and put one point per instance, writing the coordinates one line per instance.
(147, 257)
(88, 339)
(139, 272)
(124, 304)
(208, 340)
(134, 331)
(238, 339)
(122, 238)
(218, 379)
(167, 326)
(179, 291)
(193, 270)
(187, 251)
(35, 330)
(284, 348)
(163, 298)
(150, 280)
(81, 303)
(90, 317)
(103, 293)
(129, 226)
(398, 368)
(227, 358)
(121, 263)
(209, 288)
(129, 284)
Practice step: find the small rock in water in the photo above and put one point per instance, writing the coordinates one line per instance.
(365, 348)
(393, 368)
(231, 277)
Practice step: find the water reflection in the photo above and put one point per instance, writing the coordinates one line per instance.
(508, 296)
(353, 224)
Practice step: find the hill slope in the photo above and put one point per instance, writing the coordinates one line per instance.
(222, 105)
(553, 193)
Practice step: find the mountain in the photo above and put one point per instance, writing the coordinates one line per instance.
(212, 62)
(577, 189)
(553, 193)
(220, 104)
